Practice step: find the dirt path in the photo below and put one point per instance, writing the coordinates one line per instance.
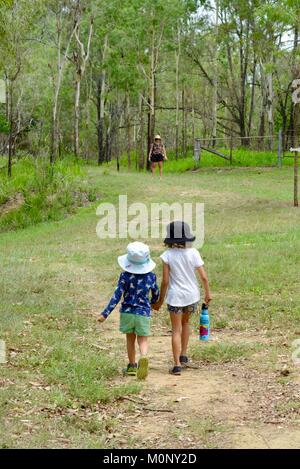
(229, 405)
(245, 401)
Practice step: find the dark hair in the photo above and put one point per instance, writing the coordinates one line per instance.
(176, 245)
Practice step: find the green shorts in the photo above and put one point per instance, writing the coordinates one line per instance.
(134, 323)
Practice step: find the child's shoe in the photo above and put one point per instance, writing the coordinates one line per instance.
(184, 361)
(176, 370)
(130, 370)
(142, 369)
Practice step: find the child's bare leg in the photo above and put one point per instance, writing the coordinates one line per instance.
(176, 336)
(153, 166)
(130, 338)
(185, 333)
(143, 344)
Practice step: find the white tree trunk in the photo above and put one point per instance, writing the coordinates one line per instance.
(177, 62)
(269, 96)
(81, 63)
(215, 80)
(61, 61)
(76, 116)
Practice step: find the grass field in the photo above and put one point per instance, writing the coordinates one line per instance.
(62, 385)
(241, 157)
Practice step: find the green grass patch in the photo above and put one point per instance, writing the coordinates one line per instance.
(220, 352)
(37, 192)
(241, 157)
(206, 430)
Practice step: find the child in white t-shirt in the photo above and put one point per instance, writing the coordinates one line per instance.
(181, 262)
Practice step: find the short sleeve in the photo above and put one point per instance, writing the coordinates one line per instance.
(197, 259)
(165, 257)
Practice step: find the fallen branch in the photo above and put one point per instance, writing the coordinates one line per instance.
(141, 401)
(158, 410)
(100, 347)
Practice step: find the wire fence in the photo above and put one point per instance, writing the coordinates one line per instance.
(271, 148)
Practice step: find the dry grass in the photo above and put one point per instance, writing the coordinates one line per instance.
(55, 275)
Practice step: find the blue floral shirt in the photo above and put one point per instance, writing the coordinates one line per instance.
(135, 289)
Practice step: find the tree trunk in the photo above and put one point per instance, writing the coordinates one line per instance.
(269, 87)
(76, 116)
(296, 171)
(215, 79)
(57, 84)
(263, 106)
(141, 136)
(151, 115)
(193, 117)
(54, 134)
(108, 137)
(292, 131)
(101, 86)
(127, 124)
(184, 128)
(152, 94)
(100, 117)
(177, 62)
(80, 58)
(149, 134)
(296, 157)
(87, 144)
(11, 123)
(252, 97)
(7, 111)
(116, 132)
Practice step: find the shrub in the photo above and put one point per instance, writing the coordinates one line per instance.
(49, 192)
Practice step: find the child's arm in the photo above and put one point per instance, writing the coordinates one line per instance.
(205, 283)
(154, 291)
(114, 300)
(163, 287)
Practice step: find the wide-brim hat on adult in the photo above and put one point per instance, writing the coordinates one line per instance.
(179, 232)
(137, 260)
(157, 137)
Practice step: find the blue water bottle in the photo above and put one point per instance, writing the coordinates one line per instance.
(204, 329)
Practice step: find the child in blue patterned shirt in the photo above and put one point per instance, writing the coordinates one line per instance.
(134, 285)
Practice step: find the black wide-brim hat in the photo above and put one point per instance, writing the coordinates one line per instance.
(179, 232)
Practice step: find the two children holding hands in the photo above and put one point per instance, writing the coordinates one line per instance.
(179, 288)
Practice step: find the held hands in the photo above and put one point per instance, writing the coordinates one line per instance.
(156, 306)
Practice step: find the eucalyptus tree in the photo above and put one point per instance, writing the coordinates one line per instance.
(61, 29)
(17, 20)
(157, 27)
(269, 28)
(80, 58)
(107, 19)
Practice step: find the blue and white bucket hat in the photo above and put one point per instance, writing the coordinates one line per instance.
(137, 260)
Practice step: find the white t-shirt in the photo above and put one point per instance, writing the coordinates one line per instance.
(183, 287)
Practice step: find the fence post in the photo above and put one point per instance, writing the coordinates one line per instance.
(279, 161)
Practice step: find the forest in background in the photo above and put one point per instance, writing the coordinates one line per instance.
(97, 79)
